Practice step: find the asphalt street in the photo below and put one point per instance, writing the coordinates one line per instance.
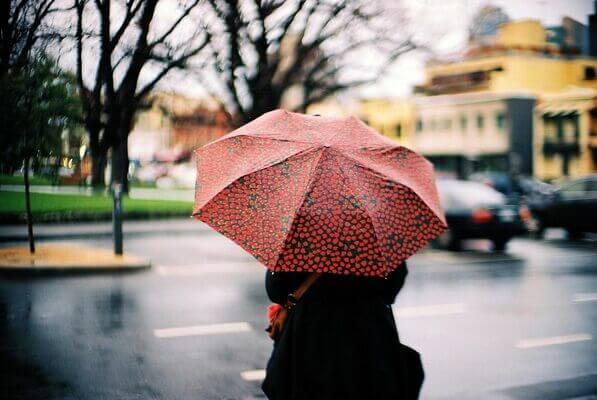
(520, 325)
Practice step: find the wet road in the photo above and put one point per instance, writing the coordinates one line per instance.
(516, 326)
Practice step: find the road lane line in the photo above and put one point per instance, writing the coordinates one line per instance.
(253, 375)
(551, 341)
(199, 269)
(430, 310)
(214, 329)
(462, 259)
(581, 297)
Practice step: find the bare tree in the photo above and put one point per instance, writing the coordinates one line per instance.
(22, 28)
(264, 50)
(132, 51)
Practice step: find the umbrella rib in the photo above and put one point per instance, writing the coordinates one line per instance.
(253, 170)
(380, 174)
(312, 174)
(352, 190)
(232, 135)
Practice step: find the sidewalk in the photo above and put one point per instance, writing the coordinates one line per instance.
(63, 257)
(17, 233)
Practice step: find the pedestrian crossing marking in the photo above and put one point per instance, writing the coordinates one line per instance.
(195, 330)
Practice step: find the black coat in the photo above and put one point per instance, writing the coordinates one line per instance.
(340, 341)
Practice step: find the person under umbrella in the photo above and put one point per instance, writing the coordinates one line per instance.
(328, 205)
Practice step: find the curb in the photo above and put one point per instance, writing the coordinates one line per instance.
(46, 270)
(64, 258)
(96, 235)
(101, 230)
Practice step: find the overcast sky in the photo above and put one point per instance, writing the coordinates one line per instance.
(451, 17)
(445, 23)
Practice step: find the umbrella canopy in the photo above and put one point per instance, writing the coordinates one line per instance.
(310, 193)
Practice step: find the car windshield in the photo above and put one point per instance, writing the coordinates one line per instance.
(462, 194)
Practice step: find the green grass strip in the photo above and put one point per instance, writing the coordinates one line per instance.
(48, 207)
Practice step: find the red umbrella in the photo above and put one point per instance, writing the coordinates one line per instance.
(310, 193)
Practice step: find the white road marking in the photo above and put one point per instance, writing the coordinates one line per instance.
(550, 341)
(253, 375)
(232, 327)
(580, 297)
(430, 310)
(449, 258)
(200, 269)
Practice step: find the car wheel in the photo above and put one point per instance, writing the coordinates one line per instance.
(574, 234)
(500, 244)
(539, 230)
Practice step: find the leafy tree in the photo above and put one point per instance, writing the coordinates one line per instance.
(37, 103)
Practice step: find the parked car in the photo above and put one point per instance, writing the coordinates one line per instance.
(476, 211)
(573, 206)
(500, 181)
(520, 188)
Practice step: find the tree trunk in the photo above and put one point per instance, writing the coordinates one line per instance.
(28, 207)
(99, 155)
(121, 124)
(99, 161)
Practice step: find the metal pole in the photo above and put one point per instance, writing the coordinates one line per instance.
(28, 208)
(117, 217)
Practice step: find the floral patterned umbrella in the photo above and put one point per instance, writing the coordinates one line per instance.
(319, 194)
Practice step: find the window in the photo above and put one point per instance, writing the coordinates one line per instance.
(589, 73)
(569, 130)
(463, 122)
(419, 126)
(500, 121)
(468, 194)
(550, 129)
(398, 130)
(480, 122)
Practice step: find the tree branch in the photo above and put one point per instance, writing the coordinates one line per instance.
(179, 62)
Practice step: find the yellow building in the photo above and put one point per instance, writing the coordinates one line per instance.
(565, 140)
(392, 118)
(522, 58)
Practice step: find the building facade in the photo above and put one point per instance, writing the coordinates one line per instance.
(393, 118)
(171, 121)
(471, 132)
(565, 140)
(522, 102)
